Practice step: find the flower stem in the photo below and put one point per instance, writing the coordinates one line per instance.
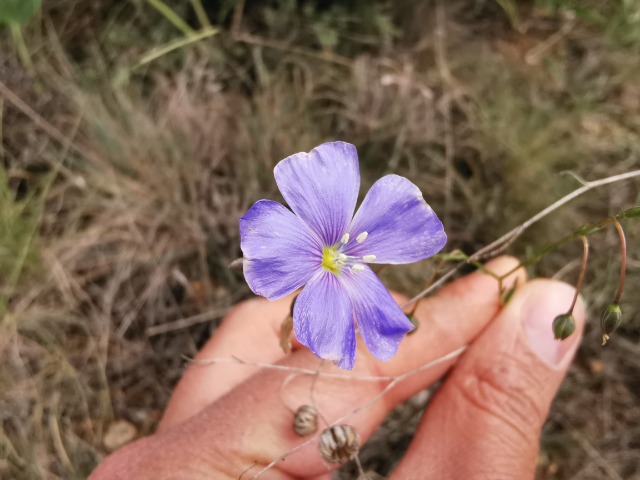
(499, 245)
(583, 269)
(21, 47)
(623, 260)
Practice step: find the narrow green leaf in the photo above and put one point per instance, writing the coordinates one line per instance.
(632, 212)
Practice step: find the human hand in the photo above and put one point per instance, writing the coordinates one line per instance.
(483, 423)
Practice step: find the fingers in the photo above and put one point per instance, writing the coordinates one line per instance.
(447, 321)
(250, 331)
(485, 421)
(253, 422)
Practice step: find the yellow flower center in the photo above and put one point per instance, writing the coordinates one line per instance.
(330, 259)
(334, 260)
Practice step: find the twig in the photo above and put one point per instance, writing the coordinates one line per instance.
(517, 231)
(58, 444)
(246, 471)
(532, 57)
(176, 44)
(286, 368)
(236, 21)
(264, 42)
(186, 322)
(498, 245)
(361, 474)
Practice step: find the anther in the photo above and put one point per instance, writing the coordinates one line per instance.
(345, 239)
(357, 268)
(368, 258)
(342, 257)
(362, 237)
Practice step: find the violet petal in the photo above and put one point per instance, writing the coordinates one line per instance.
(321, 187)
(281, 252)
(401, 227)
(323, 320)
(381, 323)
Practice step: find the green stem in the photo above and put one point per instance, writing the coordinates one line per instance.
(170, 15)
(158, 52)
(200, 13)
(21, 46)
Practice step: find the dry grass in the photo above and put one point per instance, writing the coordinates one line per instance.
(119, 236)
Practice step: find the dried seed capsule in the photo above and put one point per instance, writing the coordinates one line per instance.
(339, 444)
(305, 420)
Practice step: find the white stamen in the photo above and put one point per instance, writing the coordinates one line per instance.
(342, 257)
(362, 237)
(345, 239)
(356, 268)
(368, 258)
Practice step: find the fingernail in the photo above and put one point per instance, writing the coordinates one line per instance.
(543, 304)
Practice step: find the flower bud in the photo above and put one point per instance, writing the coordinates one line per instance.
(286, 327)
(563, 326)
(610, 320)
(412, 318)
(630, 213)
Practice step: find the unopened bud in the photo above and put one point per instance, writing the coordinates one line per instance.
(286, 327)
(610, 320)
(563, 326)
(412, 318)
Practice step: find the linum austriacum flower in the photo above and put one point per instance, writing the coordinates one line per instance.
(325, 248)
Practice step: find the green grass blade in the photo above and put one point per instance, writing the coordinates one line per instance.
(170, 15)
(162, 50)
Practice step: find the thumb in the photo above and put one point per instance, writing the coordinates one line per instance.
(485, 421)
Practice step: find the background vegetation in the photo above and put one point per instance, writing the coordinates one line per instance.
(135, 133)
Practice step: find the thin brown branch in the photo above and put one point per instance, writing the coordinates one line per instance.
(496, 246)
(583, 270)
(187, 322)
(276, 45)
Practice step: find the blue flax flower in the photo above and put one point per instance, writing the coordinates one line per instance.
(325, 248)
